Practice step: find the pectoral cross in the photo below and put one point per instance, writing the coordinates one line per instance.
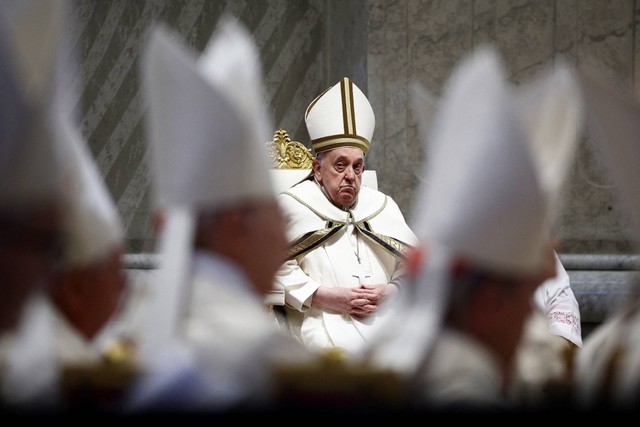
(361, 273)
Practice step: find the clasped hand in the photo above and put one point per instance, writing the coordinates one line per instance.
(359, 302)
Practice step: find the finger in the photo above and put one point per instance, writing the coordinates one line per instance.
(360, 302)
(365, 309)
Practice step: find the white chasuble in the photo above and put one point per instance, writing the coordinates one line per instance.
(334, 247)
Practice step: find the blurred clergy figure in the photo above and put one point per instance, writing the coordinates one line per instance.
(607, 372)
(65, 329)
(224, 237)
(60, 228)
(31, 186)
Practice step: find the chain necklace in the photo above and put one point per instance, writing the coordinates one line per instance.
(352, 222)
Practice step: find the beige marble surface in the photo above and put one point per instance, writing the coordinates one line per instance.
(421, 41)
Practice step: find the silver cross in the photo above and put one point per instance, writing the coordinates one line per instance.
(361, 274)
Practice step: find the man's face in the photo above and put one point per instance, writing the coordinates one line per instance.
(339, 171)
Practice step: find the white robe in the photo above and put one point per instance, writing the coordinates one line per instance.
(40, 349)
(544, 356)
(234, 342)
(459, 372)
(607, 368)
(556, 298)
(335, 261)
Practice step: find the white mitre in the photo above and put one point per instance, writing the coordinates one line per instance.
(482, 197)
(552, 109)
(340, 116)
(92, 224)
(207, 119)
(35, 63)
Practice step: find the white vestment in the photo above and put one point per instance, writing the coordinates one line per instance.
(544, 356)
(459, 372)
(233, 340)
(37, 353)
(339, 248)
(607, 370)
(556, 298)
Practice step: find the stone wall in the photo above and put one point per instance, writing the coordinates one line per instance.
(421, 41)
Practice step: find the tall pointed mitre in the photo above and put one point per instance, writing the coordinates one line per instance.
(207, 125)
(341, 116)
(92, 224)
(207, 119)
(482, 197)
(552, 108)
(33, 48)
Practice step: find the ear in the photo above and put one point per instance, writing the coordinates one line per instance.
(315, 165)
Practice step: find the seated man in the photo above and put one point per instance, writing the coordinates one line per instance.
(347, 242)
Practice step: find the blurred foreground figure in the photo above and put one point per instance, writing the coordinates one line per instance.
(496, 160)
(30, 160)
(58, 357)
(57, 343)
(608, 367)
(211, 342)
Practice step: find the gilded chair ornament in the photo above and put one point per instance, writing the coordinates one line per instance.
(287, 154)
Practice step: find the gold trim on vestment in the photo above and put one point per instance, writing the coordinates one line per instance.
(314, 239)
(393, 246)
